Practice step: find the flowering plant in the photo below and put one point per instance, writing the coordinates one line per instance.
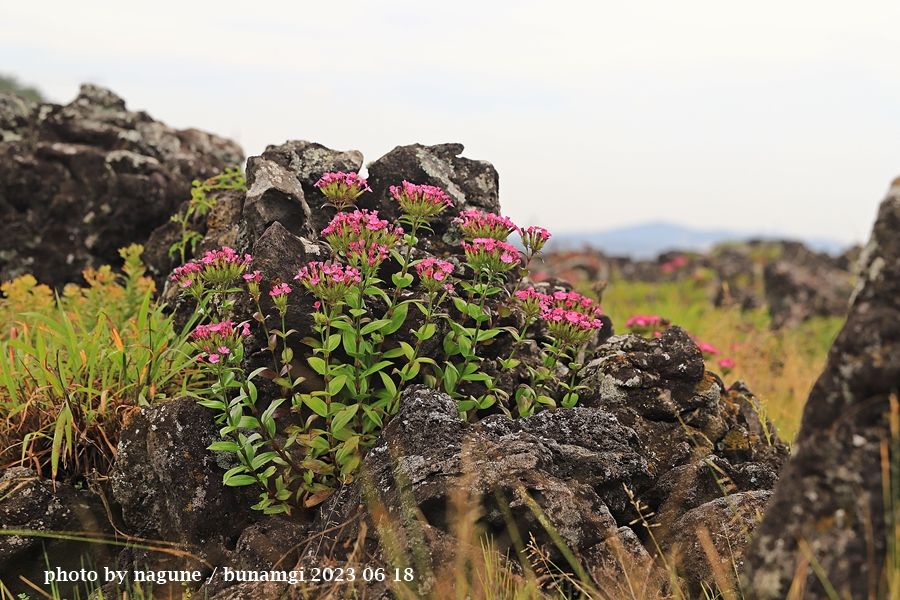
(368, 345)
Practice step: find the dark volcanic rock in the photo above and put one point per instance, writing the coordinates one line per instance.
(308, 161)
(729, 523)
(831, 493)
(170, 486)
(797, 291)
(80, 181)
(469, 183)
(558, 465)
(30, 503)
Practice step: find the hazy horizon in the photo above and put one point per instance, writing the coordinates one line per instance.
(778, 119)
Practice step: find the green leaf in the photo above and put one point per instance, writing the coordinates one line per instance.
(375, 326)
(239, 480)
(317, 405)
(394, 352)
(261, 460)
(461, 305)
(388, 383)
(224, 446)
(464, 405)
(511, 363)
(336, 385)
(426, 331)
(451, 376)
(487, 334)
(318, 364)
(376, 367)
(373, 414)
(402, 281)
(475, 311)
(334, 340)
(343, 417)
(398, 317)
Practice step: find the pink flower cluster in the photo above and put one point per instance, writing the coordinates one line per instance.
(477, 224)
(216, 341)
(708, 350)
(328, 282)
(341, 189)
(533, 302)
(490, 255)
(218, 267)
(420, 200)
(533, 239)
(186, 275)
(434, 274)
(571, 317)
(676, 263)
(643, 321)
(223, 266)
(281, 289)
(362, 237)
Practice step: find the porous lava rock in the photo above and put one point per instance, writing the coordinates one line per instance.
(430, 468)
(798, 291)
(829, 503)
(80, 181)
(169, 487)
(30, 503)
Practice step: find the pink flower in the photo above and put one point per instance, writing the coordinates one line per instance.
(254, 276)
(707, 349)
(279, 290)
(491, 256)
(213, 358)
(571, 317)
(533, 239)
(676, 263)
(342, 189)
(328, 282)
(432, 272)
(224, 337)
(726, 363)
(477, 224)
(420, 201)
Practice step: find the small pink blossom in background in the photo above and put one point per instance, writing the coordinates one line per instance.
(643, 321)
(223, 349)
(477, 224)
(213, 358)
(676, 263)
(708, 349)
(420, 200)
(726, 363)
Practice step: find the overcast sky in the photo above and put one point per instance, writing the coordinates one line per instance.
(766, 116)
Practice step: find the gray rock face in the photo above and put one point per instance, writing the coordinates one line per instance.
(308, 161)
(831, 493)
(170, 486)
(274, 195)
(554, 468)
(30, 503)
(80, 181)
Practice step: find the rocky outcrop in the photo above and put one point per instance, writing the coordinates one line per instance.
(30, 503)
(80, 181)
(829, 506)
(793, 281)
(471, 184)
(169, 486)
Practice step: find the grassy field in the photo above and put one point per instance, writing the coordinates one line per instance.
(779, 366)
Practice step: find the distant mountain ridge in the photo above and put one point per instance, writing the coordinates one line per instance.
(648, 240)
